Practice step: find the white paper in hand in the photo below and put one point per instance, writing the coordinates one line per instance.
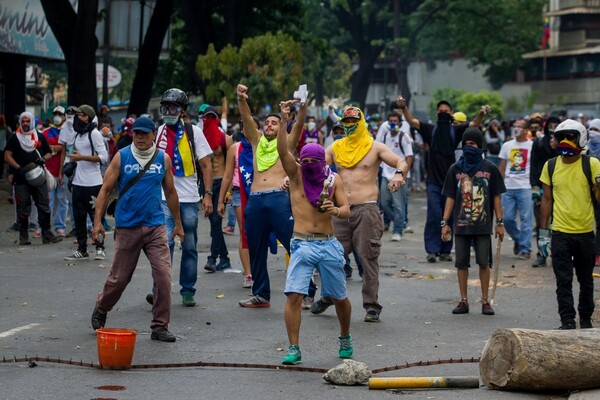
(301, 94)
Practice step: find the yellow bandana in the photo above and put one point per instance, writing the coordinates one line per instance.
(357, 143)
(266, 153)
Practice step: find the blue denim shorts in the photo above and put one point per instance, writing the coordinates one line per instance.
(236, 199)
(327, 256)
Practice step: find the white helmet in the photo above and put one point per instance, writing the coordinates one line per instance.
(572, 126)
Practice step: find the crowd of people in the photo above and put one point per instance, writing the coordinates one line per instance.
(325, 189)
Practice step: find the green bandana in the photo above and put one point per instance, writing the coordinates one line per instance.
(266, 153)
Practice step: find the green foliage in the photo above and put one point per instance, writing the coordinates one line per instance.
(469, 103)
(270, 65)
(450, 94)
(494, 34)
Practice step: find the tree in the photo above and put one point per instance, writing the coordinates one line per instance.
(493, 34)
(141, 91)
(270, 65)
(75, 33)
(469, 103)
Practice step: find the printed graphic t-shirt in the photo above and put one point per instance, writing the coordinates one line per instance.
(474, 198)
(518, 163)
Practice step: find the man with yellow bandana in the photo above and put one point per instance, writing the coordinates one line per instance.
(268, 209)
(357, 158)
(568, 199)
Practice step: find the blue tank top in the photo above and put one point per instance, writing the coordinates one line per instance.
(142, 204)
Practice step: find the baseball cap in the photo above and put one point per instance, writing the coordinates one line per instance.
(210, 110)
(87, 110)
(58, 109)
(144, 124)
(351, 112)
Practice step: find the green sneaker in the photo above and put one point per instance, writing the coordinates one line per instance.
(188, 300)
(293, 356)
(345, 347)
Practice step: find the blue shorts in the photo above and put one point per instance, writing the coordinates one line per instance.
(327, 256)
(236, 199)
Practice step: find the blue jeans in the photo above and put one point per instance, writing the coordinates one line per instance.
(393, 205)
(218, 248)
(266, 212)
(60, 195)
(230, 216)
(513, 201)
(433, 231)
(188, 272)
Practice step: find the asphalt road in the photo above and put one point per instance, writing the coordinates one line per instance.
(46, 304)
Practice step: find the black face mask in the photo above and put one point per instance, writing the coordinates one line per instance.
(79, 126)
(445, 118)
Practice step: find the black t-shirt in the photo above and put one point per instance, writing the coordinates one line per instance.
(22, 157)
(438, 164)
(474, 198)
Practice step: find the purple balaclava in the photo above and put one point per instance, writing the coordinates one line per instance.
(315, 173)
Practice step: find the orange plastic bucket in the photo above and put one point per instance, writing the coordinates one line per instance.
(115, 347)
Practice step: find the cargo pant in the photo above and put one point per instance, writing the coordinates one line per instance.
(362, 233)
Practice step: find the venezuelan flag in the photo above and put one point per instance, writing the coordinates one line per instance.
(184, 151)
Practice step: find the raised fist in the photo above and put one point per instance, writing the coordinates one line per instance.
(242, 92)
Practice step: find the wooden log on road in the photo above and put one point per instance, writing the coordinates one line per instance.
(532, 360)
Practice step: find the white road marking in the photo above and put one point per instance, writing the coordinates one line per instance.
(17, 330)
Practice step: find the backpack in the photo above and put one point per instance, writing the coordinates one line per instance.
(587, 171)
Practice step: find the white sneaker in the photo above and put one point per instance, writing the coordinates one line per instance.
(247, 282)
(396, 237)
(100, 254)
(408, 229)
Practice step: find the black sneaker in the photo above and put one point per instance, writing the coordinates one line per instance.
(24, 238)
(372, 316)
(431, 258)
(319, 307)
(540, 261)
(516, 248)
(163, 335)
(461, 308)
(150, 298)
(486, 309)
(98, 319)
(570, 324)
(445, 257)
(585, 323)
(49, 237)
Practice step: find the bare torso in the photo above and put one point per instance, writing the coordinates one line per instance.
(218, 160)
(269, 179)
(307, 219)
(360, 181)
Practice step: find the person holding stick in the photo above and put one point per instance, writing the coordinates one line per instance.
(473, 187)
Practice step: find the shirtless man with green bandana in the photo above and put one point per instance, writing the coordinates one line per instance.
(357, 158)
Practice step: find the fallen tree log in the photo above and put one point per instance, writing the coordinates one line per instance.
(532, 360)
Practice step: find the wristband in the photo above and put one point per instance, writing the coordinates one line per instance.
(399, 171)
(228, 193)
(208, 192)
(499, 222)
(443, 223)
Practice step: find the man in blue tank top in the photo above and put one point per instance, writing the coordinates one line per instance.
(139, 225)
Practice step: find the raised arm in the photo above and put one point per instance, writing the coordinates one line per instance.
(296, 132)
(287, 160)
(252, 134)
(485, 110)
(415, 123)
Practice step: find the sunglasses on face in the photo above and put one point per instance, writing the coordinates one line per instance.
(170, 109)
(571, 137)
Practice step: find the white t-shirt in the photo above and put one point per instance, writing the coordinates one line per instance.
(187, 186)
(518, 163)
(400, 144)
(88, 172)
